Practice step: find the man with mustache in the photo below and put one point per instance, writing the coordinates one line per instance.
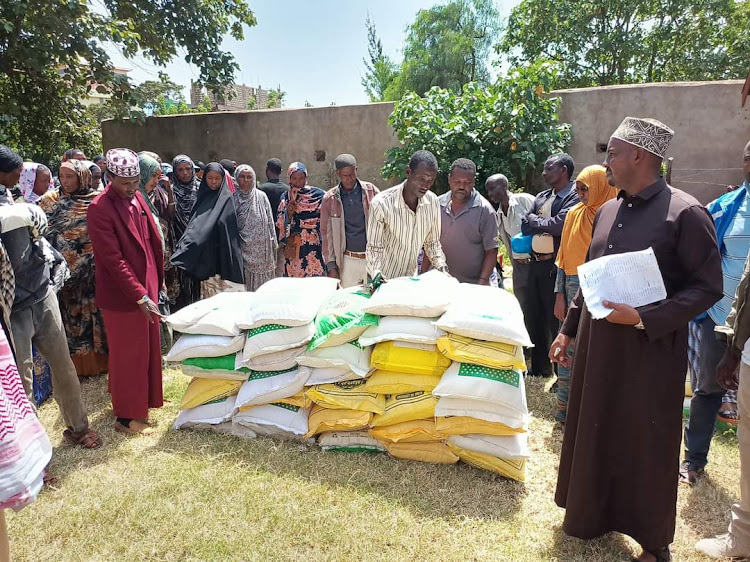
(468, 227)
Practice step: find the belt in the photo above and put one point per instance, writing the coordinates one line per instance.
(355, 255)
(543, 257)
(524, 261)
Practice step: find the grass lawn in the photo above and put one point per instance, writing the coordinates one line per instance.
(181, 495)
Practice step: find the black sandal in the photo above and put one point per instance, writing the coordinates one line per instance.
(688, 475)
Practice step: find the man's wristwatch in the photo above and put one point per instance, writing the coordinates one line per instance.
(143, 300)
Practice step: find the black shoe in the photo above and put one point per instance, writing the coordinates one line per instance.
(553, 388)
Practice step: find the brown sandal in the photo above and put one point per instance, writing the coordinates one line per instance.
(135, 427)
(88, 440)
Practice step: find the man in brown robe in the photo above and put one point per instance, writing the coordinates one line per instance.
(620, 452)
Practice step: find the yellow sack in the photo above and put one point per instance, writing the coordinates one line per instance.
(301, 400)
(435, 452)
(406, 407)
(495, 355)
(417, 431)
(388, 382)
(347, 395)
(414, 358)
(465, 425)
(324, 419)
(510, 469)
(203, 391)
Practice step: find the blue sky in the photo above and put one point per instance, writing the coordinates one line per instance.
(312, 49)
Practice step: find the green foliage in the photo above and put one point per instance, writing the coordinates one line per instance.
(447, 46)
(251, 103)
(52, 54)
(603, 42)
(276, 98)
(380, 70)
(510, 127)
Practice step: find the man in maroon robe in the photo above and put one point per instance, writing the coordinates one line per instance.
(621, 449)
(129, 272)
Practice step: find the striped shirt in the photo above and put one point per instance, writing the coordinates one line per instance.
(736, 247)
(396, 234)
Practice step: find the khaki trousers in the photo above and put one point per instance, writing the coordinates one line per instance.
(353, 272)
(41, 324)
(740, 525)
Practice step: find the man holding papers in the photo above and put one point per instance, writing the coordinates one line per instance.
(620, 453)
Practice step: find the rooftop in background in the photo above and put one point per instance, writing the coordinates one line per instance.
(237, 101)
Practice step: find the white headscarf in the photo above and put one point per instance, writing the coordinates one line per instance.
(27, 181)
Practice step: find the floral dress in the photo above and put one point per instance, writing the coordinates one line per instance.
(298, 225)
(68, 234)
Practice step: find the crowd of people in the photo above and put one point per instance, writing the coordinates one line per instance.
(93, 259)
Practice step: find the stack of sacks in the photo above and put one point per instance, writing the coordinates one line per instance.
(210, 351)
(482, 406)
(408, 364)
(342, 408)
(280, 324)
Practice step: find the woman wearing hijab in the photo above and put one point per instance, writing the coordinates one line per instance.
(68, 234)
(36, 180)
(593, 191)
(255, 221)
(181, 288)
(298, 225)
(210, 247)
(96, 175)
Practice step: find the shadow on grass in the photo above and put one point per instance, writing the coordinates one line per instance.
(67, 458)
(707, 508)
(425, 489)
(610, 547)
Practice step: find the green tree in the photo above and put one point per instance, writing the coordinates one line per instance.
(206, 105)
(447, 46)
(52, 53)
(603, 42)
(380, 71)
(251, 103)
(276, 98)
(509, 127)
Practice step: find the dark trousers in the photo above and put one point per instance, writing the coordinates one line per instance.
(706, 400)
(541, 321)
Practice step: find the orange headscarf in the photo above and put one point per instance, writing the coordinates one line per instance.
(579, 222)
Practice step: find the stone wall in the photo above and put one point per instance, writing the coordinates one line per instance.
(711, 131)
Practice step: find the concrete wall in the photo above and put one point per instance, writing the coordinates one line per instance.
(711, 131)
(314, 136)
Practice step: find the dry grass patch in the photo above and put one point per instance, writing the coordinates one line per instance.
(199, 496)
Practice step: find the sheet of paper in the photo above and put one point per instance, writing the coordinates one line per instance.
(632, 278)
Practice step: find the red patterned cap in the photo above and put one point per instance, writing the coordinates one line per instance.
(123, 162)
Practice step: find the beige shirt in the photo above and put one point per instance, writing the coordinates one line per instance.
(396, 234)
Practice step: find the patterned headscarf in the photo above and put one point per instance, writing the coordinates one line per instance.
(27, 181)
(297, 167)
(244, 168)
(84, 176)
(148, 167)
(123, 162)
